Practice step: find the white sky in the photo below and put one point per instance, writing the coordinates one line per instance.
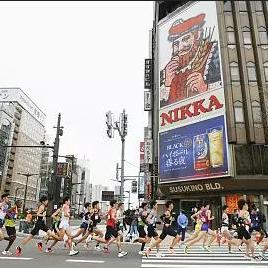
(81, 59)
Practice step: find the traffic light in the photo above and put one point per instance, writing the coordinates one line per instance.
(134, 187)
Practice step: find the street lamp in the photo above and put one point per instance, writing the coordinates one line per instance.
(27, 175)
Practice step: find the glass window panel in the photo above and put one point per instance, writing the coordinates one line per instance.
(231, 37)
(251, 73)
(258, 5)
(263, 37)
(243, 156)
(266, 72)
(227, 6)
(257, 114)
(234, 73)
(242, 5)
(239, 114)
(247, 37)
(265, 159)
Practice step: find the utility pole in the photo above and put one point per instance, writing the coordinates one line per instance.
(121, 127)
(54, 184)
(27, 175)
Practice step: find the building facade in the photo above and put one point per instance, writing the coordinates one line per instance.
(28, 130)
(222, 50)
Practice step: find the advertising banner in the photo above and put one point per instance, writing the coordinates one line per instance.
(148, 151)
(192, 125)
(195, 151)
(142, 163)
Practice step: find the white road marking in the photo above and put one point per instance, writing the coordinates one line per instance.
(15, 258)
(197, 266)
(84, 261)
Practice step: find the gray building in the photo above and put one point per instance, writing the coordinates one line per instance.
(27, 129)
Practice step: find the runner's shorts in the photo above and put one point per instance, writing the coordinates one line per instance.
(168, 231)
(243, 233)
(110, 232)
(64, 225)
(224, 228)
(39, 225)
(84, 225)
(205, 227)
(151, 231)
(11, 231)
(141, 231)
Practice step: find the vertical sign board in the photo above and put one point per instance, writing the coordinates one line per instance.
(148, 151)
(142, 164)
(192, 124)
(147, 100)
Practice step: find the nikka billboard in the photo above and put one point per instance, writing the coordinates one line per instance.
(192, 125)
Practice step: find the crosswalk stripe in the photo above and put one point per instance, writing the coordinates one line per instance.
(15, 258)
(211, 261)
(84, 261)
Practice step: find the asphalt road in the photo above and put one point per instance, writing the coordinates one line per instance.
(32, 258)
(197, 257)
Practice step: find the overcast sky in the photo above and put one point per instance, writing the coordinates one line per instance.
(81, 59)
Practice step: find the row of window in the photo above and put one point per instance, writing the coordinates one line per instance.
(251, 70)
(247, 36)
(256, 111)
(243, 6)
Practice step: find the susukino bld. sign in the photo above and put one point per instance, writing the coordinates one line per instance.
(192, 125)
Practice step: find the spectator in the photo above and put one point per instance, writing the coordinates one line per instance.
(182, 221)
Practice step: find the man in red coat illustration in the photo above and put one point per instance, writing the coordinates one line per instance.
(194, 66)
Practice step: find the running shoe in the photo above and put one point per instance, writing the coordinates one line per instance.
(141, 253)
(73, 252)
(8, 253)
(263, 256)
(240, 248)
(98, 247)
(106, 250)
(186, 248)
(171, 250)
(40, 246)
(207, 248)
(147, 252)
(122, 254)
(159, 255)
(255, 259)
(49, 250)
(18, 251)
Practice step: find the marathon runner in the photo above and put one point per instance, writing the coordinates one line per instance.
(167, 218)
(39, 225)
(3, 210)
(10, 226)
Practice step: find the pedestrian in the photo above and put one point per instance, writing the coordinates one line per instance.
(39, 225)
(134, 224)
(182, 222)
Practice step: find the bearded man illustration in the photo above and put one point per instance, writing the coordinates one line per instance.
(194, 64)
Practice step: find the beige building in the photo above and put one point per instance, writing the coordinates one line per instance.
(243, 40)
(29, 130)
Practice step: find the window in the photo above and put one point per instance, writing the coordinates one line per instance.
(251, 72)
(263, 36)
(227, 6)
(265, 65)
(257, 113)
(258, 6)
(246, 37)
(242, 6)
(239, 112)
(230, 36)
(234, 69)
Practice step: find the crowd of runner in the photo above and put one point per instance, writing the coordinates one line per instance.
(234, 231)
